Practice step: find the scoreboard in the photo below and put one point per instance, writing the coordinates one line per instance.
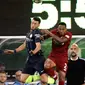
(15, 15)
(70, 11)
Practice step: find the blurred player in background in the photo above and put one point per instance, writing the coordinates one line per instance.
(3, 78)
(58, 57)
(18, 78)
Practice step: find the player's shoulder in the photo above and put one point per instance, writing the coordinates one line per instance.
(53, 30)
(68, 33)
(37, 31)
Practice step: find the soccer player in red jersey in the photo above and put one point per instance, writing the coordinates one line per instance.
(58, 57)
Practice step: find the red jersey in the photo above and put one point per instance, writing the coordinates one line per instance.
(60, 49)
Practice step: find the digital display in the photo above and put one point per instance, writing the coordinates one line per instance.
(54, 11)
(15, 19)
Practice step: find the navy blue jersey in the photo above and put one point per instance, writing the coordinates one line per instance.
(31, 39)
(34, 62)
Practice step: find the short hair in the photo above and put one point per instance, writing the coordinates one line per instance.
(37, 19)
(74, 44)
(62, 23)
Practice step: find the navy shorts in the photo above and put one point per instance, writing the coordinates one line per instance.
(33, 65)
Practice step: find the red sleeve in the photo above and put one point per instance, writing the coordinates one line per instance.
(54, 31)
(68, 35)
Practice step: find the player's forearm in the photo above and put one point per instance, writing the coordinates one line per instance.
(37, 49)
(20, 48)
(45, 36)
(48, 33)
(56, 37)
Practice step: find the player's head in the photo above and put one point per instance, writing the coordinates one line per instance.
(35, 23)
(18, 75)
(3, 77)
(74, 50)
(62, 28)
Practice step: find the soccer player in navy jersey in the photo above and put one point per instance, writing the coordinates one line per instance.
(35, 60)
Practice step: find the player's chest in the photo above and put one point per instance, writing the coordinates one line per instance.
(30, 37)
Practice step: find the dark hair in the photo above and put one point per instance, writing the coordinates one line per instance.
(37, 19)
(62, 23)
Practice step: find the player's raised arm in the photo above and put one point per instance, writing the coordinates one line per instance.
(60, 34)
(44, 34)
(59, 39)
(20, 48)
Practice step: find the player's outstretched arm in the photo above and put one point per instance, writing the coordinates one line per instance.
(20, 48)
(59, 39)
(7, 51)
(44, 35)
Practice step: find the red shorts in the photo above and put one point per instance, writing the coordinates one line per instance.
(60, 61)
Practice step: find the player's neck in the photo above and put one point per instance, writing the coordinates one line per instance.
(74, 58)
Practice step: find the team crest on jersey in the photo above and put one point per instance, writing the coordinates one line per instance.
(30, 35)
(67, 36)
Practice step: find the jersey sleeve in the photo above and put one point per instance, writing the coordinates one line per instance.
(37, 36)
(54, 31)
(68, 36)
